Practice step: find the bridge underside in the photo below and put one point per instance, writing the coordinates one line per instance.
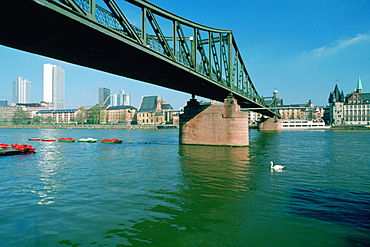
(80, 41)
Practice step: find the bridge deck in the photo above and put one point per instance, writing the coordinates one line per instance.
(32, 27)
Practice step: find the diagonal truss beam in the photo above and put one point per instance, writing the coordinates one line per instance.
(158, 32)
(74, 6)
(117, 13)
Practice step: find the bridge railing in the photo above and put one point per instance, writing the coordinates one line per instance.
(212, 53)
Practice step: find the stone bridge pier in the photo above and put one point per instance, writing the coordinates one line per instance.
(214, 124)
(266, 123)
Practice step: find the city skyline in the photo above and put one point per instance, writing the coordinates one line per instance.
(300, 49)
(105, 97)
(50, 71)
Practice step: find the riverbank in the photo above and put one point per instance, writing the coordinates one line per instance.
(92, 126)
(349, 127)
(85, 126)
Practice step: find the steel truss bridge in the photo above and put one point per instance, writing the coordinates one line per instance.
(134, 39)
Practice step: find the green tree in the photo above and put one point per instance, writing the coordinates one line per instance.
(20, 116)
(81, 115)
(49, 119)
(94, 116)
(37, 119)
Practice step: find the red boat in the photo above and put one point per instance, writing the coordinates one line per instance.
(5, 146)
(15, 149)
(34, 139)
(48, 139)
(112, 141)
(66, 140)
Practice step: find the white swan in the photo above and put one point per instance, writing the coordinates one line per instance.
(276, 167)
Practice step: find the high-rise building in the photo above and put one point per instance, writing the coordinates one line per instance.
(115, 99)
(53, 85)
(125, 99)
(3, 102)
(21, 90)
(104, 96)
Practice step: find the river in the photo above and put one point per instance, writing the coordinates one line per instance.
(151, 191)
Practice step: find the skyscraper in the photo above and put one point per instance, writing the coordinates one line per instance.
(104, 93)
(53, 85)
(125, 99)
(115, 99)
(21, 90)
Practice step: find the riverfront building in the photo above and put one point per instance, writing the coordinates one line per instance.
(21, 90)
(120, 115)
(7, 114)
(305, 111)
(154, 110)
(53, 85)
(274, 100)
(65, 116)
(352, 109)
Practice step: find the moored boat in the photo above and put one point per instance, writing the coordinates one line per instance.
(92, 140)
(66, 140)
(34, 139)
(298, 124)
(112, 141)
(14, 149)
(48, 139)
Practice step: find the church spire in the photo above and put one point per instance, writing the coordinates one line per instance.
(359, 85)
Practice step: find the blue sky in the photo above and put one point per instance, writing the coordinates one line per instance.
(301, 48)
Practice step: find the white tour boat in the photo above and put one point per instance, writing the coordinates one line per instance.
(294, 124)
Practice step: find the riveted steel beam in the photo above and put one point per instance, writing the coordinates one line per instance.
(158, 32)
(74, 6)
(122, 20)
(184, 45)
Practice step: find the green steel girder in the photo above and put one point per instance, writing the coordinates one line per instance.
(214, 56)
(226, 66)
(117, 13)
(200, 48)
(183, 44)
(74, 6)
(235, 68)
(158, 32)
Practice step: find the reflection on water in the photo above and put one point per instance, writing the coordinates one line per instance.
(219, 169)
(48, 164)
(212, 181)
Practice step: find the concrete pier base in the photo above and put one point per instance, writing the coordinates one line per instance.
(215, 124)
(269, 124)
